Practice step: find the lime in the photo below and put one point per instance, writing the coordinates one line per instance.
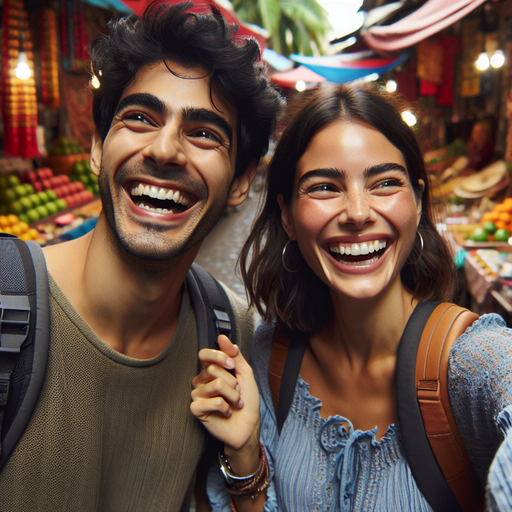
(502, 235)
(479, 235)
(490, 227)
(33, 215)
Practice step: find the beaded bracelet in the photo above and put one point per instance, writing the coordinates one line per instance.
(255, 484)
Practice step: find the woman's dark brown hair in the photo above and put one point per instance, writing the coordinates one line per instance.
(300, 299)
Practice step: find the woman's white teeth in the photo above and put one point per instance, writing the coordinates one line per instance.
(160, 193)
(359, 249)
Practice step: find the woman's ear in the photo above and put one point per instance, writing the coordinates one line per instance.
(240, 186)
(96, 152)
(419, 206)
(286, 217)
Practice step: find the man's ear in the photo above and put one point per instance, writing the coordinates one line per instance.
(240, 186)
(96, 152)
(286, 218)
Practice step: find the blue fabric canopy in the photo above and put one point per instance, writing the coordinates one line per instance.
(111, 5)
(346, 71)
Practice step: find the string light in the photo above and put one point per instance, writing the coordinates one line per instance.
(95, 82)
(391, 86)
(300, 85)
(497, 59)
(409, 117)
(483, 61)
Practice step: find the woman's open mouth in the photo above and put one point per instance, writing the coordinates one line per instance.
(160, 199)
(358, 254)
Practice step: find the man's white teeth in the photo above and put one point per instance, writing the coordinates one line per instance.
(160, 193)
(157, 210)
(359, 249)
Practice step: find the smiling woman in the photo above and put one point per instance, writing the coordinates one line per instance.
(343, 251)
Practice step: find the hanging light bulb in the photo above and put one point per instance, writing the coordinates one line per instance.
(22, 69)
(300, 85)
(95, 82)
(483, 61)
(497, 59)
(409, 117)
(391, 86)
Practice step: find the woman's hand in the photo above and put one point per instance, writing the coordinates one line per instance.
(227, 405)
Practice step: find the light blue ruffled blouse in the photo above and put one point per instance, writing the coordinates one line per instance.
(317, 465)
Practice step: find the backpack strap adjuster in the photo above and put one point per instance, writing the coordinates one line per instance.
(222, 321)
(14, 322)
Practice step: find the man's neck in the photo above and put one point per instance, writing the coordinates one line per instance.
(131, 310)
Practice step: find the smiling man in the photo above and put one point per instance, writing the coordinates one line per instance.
(183, 114)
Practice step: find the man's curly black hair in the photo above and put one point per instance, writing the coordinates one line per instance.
(168, 33)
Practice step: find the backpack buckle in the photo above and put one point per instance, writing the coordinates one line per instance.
(222, 322)
(14, 322)
(5, 379)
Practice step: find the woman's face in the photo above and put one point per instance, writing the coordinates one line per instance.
(353, 211)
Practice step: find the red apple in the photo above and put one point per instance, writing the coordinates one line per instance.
(32, 177)
(41, 174)
(71, 200)
(46, 184)
(64, 179)
(38, 186)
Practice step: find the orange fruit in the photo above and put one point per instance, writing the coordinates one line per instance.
(505, 217)
(34, 234)
(16, 230)
(25, 237)
(500, 208)
(23, 226)
(13, 219)
(508, 204)
(500, 224)
(494, 216)
(8, 230)
(486, 217)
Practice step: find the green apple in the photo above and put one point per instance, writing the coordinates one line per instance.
(61, 204)
(51, 194)
(12, 180)
(43, 196)
(26, 203)
(33, 215)
(43, 211)
(35, 200)
(51, 207)
(16, 207)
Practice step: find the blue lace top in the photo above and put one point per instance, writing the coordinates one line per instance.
(316, 465)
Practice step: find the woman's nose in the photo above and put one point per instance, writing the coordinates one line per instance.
(356, 209)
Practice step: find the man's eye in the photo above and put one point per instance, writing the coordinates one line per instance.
(205, 134)
(136, 116)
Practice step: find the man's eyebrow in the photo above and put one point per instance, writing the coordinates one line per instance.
(209, 117)
(142, 99)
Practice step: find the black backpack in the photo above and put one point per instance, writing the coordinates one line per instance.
(25, 330)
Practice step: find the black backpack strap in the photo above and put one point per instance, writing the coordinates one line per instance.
(420, 457)
(214, 314)
(24, 335)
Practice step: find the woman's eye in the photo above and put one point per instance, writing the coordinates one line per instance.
(389, 183)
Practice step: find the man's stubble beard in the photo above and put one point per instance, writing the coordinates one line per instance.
(139, 251)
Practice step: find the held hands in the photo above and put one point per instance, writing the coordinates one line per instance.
(227, 405)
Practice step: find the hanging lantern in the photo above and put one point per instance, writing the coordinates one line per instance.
(19, 102)
(50, 96)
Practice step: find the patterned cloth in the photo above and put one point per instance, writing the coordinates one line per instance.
(317, 465)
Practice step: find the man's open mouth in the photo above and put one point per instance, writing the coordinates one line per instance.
(160, 199)
(361, 254)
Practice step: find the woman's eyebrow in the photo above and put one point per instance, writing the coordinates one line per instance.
(322, 173)
(375, 170)
(209, 117)
(145, 100)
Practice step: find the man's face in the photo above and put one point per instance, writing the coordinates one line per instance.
(167, 163)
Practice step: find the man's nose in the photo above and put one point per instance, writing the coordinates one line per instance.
(166, 147)
(356, 209)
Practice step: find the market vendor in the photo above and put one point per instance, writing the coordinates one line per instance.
(480, 145)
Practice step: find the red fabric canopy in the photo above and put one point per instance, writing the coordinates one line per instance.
(202, 6)
(290, 78)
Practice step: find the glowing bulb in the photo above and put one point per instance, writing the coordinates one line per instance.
(391, 86)
(22, 69)
(497, 59)
(409, 117)
(483, 61)
(95, 82)
(300, 85)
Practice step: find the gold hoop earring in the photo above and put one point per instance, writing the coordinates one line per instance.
(421, 250)
(282, 257)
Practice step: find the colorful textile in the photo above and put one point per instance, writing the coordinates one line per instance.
(432, 17)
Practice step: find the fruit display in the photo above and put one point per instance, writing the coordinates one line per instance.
(66, 146)
(81, 172)
(13, 225)
(495, 225)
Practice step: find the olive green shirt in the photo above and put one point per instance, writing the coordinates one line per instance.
(111, 433)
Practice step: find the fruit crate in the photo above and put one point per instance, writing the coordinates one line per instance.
(63, 164)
